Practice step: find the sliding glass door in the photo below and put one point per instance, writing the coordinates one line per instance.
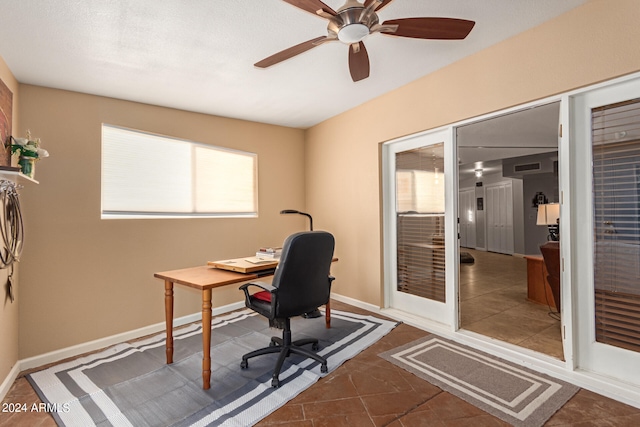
(416, 226)
(607, 138)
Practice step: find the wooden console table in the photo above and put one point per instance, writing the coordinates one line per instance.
(538, 289)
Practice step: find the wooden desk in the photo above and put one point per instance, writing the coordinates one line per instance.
(538, 289)
(204, 278)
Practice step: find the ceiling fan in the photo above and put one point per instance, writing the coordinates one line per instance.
(354, 21)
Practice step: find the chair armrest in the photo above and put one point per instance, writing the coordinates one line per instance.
(261, 285)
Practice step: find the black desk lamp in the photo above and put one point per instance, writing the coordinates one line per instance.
(293, 211)
(315, 313)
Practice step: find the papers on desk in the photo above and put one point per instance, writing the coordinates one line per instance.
(260, 260)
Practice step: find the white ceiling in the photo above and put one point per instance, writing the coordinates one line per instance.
(198, 55)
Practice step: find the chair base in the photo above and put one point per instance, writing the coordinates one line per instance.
(285, 347)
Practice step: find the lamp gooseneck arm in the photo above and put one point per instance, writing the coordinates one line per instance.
(293, 211)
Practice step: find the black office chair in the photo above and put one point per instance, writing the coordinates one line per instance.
(300, 284)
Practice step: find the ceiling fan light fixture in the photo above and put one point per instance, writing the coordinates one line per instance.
(353, 33)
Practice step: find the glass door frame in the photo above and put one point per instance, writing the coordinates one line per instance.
(444, 314)
(565, 183)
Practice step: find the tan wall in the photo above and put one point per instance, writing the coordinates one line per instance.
(589, 44)
(83, 278)
(8, 310)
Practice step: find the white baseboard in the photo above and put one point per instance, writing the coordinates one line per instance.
(64, 353)
(76, 350)
(8, 381)
(356, 303)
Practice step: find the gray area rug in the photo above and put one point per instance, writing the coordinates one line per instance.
(131, 385)
(514, 394)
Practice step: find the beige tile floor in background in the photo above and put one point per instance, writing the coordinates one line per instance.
(493, 302)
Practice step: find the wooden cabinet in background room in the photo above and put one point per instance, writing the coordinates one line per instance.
(538, 289)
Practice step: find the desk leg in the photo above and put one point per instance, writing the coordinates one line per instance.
(206, 339)
(327, 314)
(168, 314)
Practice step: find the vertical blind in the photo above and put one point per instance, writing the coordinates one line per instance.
(616, 192)
(150, 175)
(420, 222)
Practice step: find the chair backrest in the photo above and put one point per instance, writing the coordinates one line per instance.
(302, 276)
(551, 254)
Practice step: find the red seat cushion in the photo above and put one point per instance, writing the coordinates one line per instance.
(262, 296)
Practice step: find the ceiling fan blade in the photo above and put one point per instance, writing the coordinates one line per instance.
(431, 28)
(290, 52)
(358, 62)
(312, 6)
(384, 3)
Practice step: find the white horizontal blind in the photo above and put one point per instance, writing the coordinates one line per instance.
(147, 175)
(420, 222)
(616, 181)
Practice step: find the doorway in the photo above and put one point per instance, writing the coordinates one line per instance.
(508, 171)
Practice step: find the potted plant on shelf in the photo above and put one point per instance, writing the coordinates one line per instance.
(28, 151)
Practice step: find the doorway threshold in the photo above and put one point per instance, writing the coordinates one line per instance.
(529, 358)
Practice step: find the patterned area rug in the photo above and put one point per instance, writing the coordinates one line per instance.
(514, 394)
(131, 385)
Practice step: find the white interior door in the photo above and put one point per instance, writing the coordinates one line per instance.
(467, 209)
(606, 230)
(499, 214)
(420, 230)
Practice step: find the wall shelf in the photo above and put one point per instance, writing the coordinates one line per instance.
(14, 175)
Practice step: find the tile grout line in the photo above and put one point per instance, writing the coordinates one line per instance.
(408, 411)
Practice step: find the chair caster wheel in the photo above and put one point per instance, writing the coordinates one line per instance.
(315, 346)
(275, 383)
(324, 369)
(244, 364)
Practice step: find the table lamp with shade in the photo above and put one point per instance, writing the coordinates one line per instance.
(549, 215)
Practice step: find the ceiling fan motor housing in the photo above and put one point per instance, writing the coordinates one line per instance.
(349, 25)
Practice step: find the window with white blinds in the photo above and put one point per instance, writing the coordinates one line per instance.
(420, 222)
(152, 176)
(616, 192)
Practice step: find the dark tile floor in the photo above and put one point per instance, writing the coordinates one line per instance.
(369, 391)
